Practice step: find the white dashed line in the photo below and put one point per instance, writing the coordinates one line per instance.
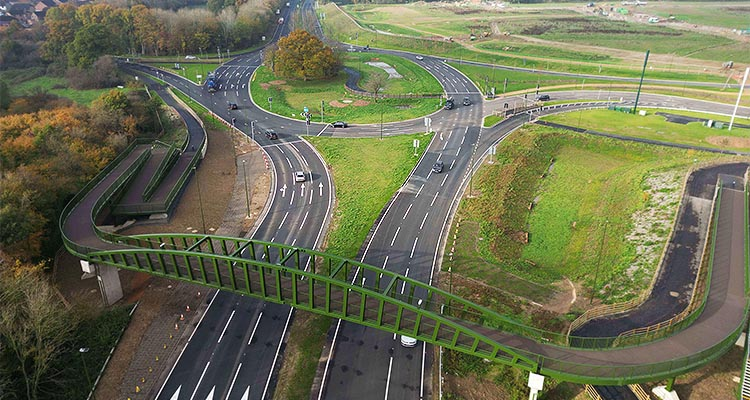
(423, 220)
(434, 198)
(414, 246)
(394, 236)
(407, 211)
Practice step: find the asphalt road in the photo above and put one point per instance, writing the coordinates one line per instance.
(236, 348)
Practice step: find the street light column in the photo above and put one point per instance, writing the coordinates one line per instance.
(200, 200)
(81, 351)
(247, 195)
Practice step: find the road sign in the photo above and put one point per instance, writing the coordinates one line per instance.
(416, 143)
(306, 110)
(427, 121)
(270, 99)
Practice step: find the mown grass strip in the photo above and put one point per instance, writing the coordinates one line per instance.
(366, 174)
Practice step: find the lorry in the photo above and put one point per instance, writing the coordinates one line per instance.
(211, 82)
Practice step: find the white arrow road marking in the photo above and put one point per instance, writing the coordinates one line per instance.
(176, 394)
(211, 394)
(302, 190)
(320, 189)
(246, 396)
(283, 191)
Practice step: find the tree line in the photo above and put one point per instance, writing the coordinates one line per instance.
(77, 36)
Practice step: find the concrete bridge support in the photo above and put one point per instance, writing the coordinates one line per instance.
(109, 281)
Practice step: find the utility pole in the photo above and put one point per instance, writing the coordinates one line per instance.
(640, 84)
(247, 195)
(739, 96)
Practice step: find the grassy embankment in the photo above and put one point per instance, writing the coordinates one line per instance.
(581, 226)
(656, 127)
(366, 173)
(290, 98)
(97, 334)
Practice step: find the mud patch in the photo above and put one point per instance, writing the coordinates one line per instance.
(277, 82)
(337, 104)
(361, 103)
(265, 86)
(728, 141)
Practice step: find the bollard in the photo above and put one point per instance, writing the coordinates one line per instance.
(182, 317)
(187, 308)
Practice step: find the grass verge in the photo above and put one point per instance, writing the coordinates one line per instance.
(656, 127)
(291, 97)
(366, 172)
(78, 370)
(209, 120)
(415, 79)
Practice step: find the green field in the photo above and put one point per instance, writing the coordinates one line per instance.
(732, 15)
(189, 70)
(656, 127)
(366, 173)
(416, 80)
(586, 191)
(290, 97)
(57, 86)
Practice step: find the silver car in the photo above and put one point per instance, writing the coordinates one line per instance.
(299, 176)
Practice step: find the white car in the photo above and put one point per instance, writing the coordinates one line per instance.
(189, 57)
(299, 176)
(408, 341)
(420, 58)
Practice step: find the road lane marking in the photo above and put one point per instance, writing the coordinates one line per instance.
(421, 379)
(458, 151)
(413, 247)
(176, 394)
(462, 139)
(234, 380)
(419, 191)
(407, 211)
(385, 262)
(394, 236)
(289, 162)
(423, 220)
(452, 162)
(303, 220)
(434, 198)
(186, 346)
(226, 326)
(443, 182)
(276, 357)
(252, 334)
(282, 221)
(197, 385)
(388, 381)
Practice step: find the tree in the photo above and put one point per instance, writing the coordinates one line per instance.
(376, 83)
(91, 42)
(34, 328)
(5, 98)
(303, 56)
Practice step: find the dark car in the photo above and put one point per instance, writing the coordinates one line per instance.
(467, 101)
(438, 167)
(271, 134)
(232, 106)
(340, 124)
(542, 97)
(449, 103)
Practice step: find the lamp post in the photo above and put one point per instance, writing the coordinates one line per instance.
(381, 124)
(81, 351)
(247, 195)
(252, 129)
(200, 200)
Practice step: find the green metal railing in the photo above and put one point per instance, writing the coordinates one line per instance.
(164, 166)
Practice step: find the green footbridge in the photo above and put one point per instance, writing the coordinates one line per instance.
(326, 284)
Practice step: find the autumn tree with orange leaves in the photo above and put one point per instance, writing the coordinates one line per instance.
(303, 56)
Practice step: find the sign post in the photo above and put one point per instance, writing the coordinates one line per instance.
(416, 146)
(270, 104)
